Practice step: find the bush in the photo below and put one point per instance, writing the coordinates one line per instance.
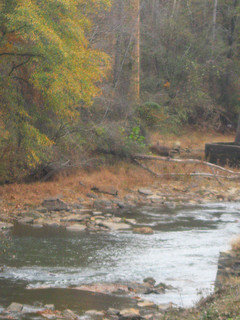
(151, 114)
(118, 140)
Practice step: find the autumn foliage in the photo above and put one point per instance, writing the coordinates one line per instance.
(48, 71)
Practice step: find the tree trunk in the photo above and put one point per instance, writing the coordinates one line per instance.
(237, 139)
(134, 89)
(214, 20)
(118, 45)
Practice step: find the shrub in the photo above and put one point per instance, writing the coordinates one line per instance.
(151, 114)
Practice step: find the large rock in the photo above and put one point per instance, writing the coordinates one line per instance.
(95, 314)
(143, 230)
(130, 314)
(15, 307)
(26, 220)
(54, 204)
(76, 227)
(106, 190)
(75, 218)
(115, 226)
(69, 315)
(145, 192)
(5, 225)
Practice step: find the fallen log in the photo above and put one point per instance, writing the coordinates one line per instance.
(192, 174)
(192, 161)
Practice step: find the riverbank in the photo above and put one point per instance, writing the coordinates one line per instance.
(121, 185)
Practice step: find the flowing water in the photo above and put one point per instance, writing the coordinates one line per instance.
(40, 265)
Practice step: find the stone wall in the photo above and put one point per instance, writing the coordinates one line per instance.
(228, 266)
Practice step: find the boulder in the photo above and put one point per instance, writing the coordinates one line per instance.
(95, 314)
(145, 192)
(26, 220)
(49, 307)
(5, 225)
(150, 280)
(115, 226)
(54, 204)
(130, 314)
(143, 230)
(69, 315)
(106, 190)
(15, 307)
(146, 304)
(76, 227)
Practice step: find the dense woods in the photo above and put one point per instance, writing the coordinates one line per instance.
(80, 78)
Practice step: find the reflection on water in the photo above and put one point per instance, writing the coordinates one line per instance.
(182, 252)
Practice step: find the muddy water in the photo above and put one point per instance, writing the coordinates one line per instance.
(41, 264)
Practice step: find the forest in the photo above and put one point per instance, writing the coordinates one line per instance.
(90, 79)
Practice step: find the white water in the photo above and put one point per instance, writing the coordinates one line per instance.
(182, 252)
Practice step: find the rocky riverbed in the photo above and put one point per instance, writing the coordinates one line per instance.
(104, 214)
(96, 211)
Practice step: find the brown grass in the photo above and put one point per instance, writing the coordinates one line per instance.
(123, 176)
(235, 244)
(195, 139)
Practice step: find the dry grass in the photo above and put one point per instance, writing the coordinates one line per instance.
(195, 139)
(123, 176)
(235, 244)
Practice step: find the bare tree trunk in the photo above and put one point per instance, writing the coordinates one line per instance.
(214, 20)
(237, 139)
(134, 90)
(118, 45)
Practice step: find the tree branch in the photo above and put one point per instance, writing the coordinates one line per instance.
(20, 54)
(19, 65)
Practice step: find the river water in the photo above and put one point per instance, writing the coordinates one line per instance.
(40, 265)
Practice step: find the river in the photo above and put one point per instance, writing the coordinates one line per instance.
(40, 265)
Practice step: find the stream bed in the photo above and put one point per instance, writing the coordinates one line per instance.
(42, 266)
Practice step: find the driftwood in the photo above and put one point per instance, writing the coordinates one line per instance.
(193, 161)
(234, 175)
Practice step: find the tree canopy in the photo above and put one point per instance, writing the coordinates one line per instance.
(48, 70)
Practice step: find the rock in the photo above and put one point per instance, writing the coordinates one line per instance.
(5, 225)
(75, 218)
(41, 210)
(15, 307)
(54, 204)
(27, 220)
(129, 197)
(143, 230)
(37, 225)
(167, 306)
(145, 192)
(106, 190)
(150, 280)
(146, 304)
(76, 228)
(69, 315)
(131, 221)
(97, 213)
(115, 226)
(49, 307)
(53, 224)
(130, 314)
(121, 205)
(155, 198)
(91, 195)
(113, 312)
(95, 314)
